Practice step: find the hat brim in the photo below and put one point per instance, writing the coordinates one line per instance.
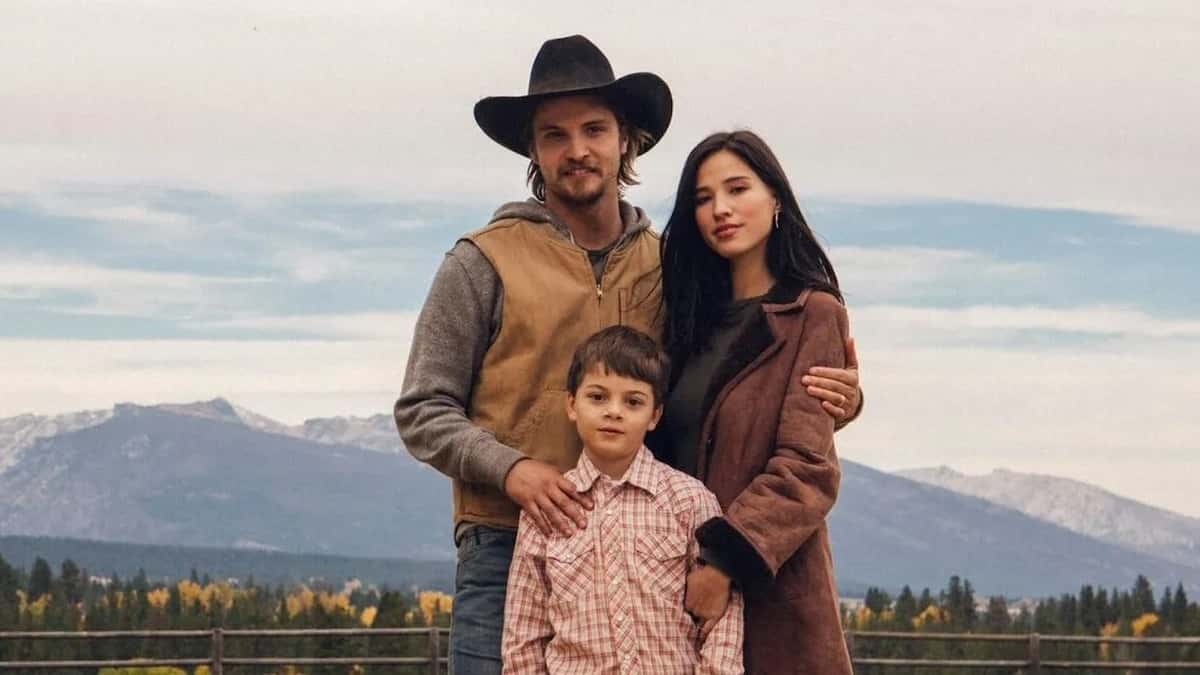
(644, 98)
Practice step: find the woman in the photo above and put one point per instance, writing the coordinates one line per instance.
(752, 303)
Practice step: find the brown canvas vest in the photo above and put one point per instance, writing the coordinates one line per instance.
(551, 304)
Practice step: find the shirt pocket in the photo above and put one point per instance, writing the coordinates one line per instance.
(570, 567)
(664, 564)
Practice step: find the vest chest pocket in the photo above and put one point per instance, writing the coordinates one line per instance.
(570, 567)
(663, 560)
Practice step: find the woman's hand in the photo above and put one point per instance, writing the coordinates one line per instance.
(707, 597)
(837, 388)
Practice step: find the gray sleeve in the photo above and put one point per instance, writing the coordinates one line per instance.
(454, 329)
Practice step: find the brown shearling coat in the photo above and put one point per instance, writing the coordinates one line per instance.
(769, 457)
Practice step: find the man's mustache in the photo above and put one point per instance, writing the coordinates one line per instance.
(579, 165)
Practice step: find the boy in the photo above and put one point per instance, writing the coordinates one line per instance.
(610, 598)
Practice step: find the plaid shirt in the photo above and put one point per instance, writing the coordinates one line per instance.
(609, 599)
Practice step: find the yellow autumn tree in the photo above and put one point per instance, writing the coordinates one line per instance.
(158, 597)
(300, 600)
(1107, 630)
(334, 602)
(863, 616)
(932, 614)
(37, 608)
(368, 616)
(433, 603)
(1144, 623)
(217, 595)
(189, 592)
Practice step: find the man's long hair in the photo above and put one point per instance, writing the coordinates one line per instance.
(637, 139)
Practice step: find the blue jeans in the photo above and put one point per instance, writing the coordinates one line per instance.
(477, 619)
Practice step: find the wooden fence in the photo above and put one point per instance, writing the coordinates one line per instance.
(435, 662)
(1032, 661)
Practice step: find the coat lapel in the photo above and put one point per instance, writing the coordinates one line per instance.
(755, 342)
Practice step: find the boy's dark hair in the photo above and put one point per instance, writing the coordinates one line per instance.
(623, 351)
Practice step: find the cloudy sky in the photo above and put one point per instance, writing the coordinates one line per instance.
(204, 199)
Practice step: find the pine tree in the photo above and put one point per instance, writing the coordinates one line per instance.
(140, 583)
(906, 609)
(997, 619)
(1067, 614)
(72, 581)
(41, 579)
(1179, 610)
(1089, 610)
(9, 584)
(951, 598)
(877, 600)
(1045, 616)
(925, 601)
(1106, 609)
(1143, 596)
(967, 610)
(174, 605)
(1165, 605)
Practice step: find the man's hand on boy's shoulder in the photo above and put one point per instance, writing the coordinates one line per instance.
(551, 500)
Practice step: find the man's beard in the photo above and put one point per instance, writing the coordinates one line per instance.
(579, 199)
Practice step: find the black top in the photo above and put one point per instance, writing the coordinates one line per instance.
(682, 415)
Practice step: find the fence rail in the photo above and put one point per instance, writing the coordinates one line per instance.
(1033, 661)
(436, 663)
(434, 660)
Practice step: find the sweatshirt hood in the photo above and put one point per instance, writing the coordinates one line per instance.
(632, 217)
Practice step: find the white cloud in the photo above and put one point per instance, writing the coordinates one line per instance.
(925, 325)
(879, 273)
(948, 386)
(1071, 104)
(313, 265)
(288, 380)
(1088, 410)
(124, 219)
(364, 325)
(117, 291)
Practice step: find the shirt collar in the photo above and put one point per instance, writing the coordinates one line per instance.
(642, 473)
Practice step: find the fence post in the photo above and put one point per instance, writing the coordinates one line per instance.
(850, 644)
(435, 651)
(1035, 654)
(218, 652)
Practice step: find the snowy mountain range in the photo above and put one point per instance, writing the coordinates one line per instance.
(1079, 507)
(214, 474)
(201, 475)
(377, 432)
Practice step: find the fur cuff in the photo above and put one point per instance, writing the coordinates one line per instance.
(738, 557)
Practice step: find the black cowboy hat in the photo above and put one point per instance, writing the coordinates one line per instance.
(573, 65)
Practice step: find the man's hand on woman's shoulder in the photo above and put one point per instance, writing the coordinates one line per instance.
(837, 388)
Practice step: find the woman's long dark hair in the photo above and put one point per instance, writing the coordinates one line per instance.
(696, 281)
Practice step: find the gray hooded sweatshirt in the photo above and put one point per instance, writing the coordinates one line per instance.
(457, 324)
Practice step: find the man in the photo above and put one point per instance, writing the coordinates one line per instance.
(483, 399)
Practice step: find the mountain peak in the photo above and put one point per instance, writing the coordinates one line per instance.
(214, 409)
(1079, 507)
